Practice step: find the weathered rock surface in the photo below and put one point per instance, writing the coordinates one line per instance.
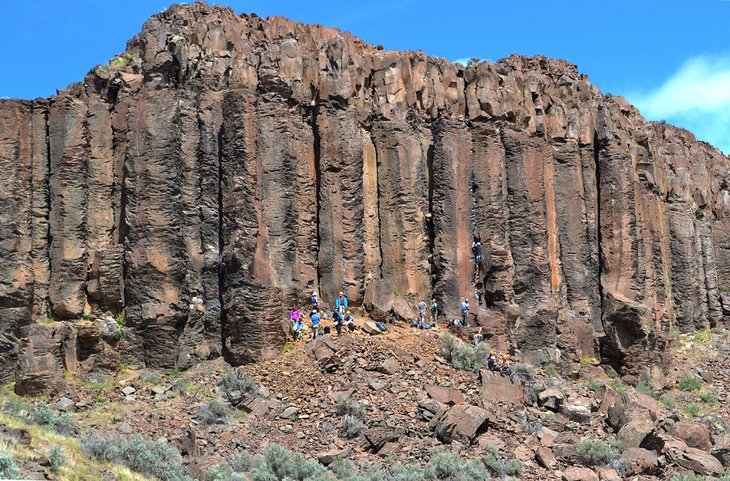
(234, 164)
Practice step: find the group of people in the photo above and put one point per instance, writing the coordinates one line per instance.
(341, 318)
(500, 364)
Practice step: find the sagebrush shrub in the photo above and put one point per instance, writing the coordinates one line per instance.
(279, 463)
(524, 371)
(8, 468)
(43, 416)
(464, 356)
(56, 458)
(215, 412)
(345, 405)
(236, 386)
(352, 426)
(151, 458)
(690, 383)
(450, 467)
(597, 452)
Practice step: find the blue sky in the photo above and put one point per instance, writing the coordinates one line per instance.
(671, 58)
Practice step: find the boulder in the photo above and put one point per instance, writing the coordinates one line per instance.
(495, 387)
(546, 458)
(379, 436)
(462, 423)
(378, 299)
(694, 434)
(369, 327)
(631, 405)
(608, 474)
(444, 394)
(640, 461)
(577, 409)
(696, 460)
(576, 473)
(64, 404)
(551, 398)
(323, 347)
(328, 457)
(389, 366)
(633, 433)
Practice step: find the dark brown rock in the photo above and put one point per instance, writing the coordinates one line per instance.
(462, 423)
(695, 435)
(236, 164)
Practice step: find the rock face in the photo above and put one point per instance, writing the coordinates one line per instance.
(226, 166)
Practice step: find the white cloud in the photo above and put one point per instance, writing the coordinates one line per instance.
(696, 97)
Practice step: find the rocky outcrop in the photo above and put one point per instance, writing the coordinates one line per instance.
(225, 166)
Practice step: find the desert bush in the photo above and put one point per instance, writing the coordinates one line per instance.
(215, 412)
(8, 468)
(708, 398)
(150, 458)
(692, 411)
(645, 389)
(688, 477)
(619, 387)
(236, 386)
(690, 383)
(499, 466)
(464, 356)
(150, 377)
(594, 384)
(668, 402)
(550, 370)
(524, 371)
(280, 463)
(43, 416)
(352, 426)
(56, 458)
(345, 405)
(218, 472)
(449, 466)
(597, 452)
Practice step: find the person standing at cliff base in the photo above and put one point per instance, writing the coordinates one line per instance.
(314, 316)
(337, 319)
(341, 303)
(434, 310)
(464, 311)
(315, 301)
(422, 311)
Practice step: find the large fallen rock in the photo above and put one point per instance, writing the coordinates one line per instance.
(640, 461)
(576, 473)
(462, 423)
(694, 434)
(551, 398)
(676, 451)
(495, 387)
(444, 394)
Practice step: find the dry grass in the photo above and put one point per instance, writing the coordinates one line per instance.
(78, 466)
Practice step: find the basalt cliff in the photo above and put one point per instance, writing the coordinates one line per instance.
(226, 166)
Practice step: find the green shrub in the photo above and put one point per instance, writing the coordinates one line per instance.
(56, 458)
(692, 411)
(450, 467)
(236, 386)
(215, 412)
(709, 398)
(218, 472)
(8, 468)
(645, 389)
(150, 458)
(499, 466)
(524, 370)
(464, 356)
(43, 416)
(690, 383)
(668, 402)
(120, 319)
(597, 452)
(688, 477)
(550, 370)
(150, 377)
(352, 426)
(619, 387)
(279, 463)
(345, 405)
(594, 384)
